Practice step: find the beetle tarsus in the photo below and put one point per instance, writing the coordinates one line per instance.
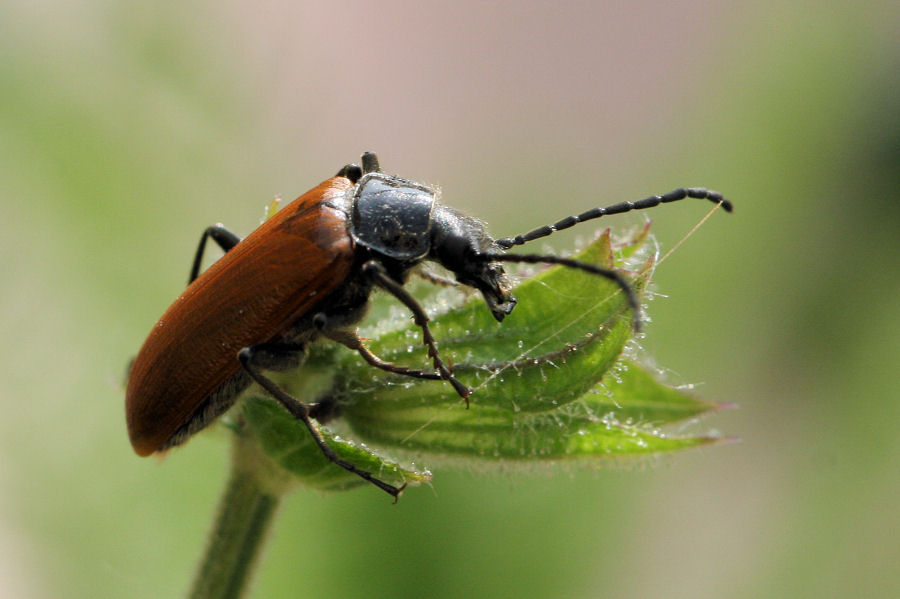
(397, 492)
(301, 411)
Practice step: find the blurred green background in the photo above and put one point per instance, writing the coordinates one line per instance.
(126, 128)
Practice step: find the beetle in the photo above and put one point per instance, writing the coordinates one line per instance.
(307, 273)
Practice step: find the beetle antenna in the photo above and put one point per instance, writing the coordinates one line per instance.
(630, 294)
(673, 196)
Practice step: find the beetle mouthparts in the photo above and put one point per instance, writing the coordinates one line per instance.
(502, 307)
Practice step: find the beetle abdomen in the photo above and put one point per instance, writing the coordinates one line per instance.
(251, 295)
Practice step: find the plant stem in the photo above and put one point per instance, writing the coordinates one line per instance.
(246, 511)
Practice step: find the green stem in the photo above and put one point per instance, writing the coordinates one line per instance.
(246, 511)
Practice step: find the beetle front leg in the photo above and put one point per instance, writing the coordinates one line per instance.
(435, 278)
(224, 238)
(352, 341)
(249, 358)
(380, 277)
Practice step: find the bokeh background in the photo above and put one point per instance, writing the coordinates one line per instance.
(126, 128)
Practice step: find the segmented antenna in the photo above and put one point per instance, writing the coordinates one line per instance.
(673, 196)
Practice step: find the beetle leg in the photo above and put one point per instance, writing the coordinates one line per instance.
(381, 278)
(222, 236)
(300, 410)
(279, 356)
(436, 279)
(353, 342)
(370, 163)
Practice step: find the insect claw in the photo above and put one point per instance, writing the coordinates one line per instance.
(396, 495)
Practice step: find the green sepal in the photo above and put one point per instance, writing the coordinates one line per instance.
(549, 383)
(286, 441)
(631, 394)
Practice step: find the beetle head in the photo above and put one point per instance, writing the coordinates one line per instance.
(457, 241)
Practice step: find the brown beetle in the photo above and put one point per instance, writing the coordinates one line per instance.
(307, 273)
